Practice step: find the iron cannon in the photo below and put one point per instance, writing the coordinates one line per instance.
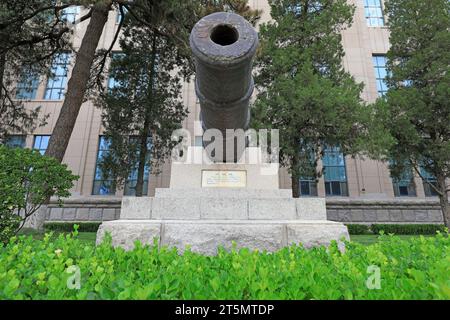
(223, 45)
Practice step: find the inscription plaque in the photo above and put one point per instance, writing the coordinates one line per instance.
(224, 179)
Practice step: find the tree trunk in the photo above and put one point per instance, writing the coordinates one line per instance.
(2, 72)
(443, 200)
(3, 108)
(146, 130)
(295, 187)
(295, 179)
(142, 160)
(77, 85)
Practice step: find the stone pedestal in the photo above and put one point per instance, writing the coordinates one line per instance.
(206, 235)
(204, 219)
(258, 215)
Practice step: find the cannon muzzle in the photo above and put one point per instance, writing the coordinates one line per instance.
(223, 45)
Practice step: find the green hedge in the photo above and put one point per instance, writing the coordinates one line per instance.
(352, 228)
(358, 229)
(411, 229)
(68, 226)
(417, 268)
(407, 228)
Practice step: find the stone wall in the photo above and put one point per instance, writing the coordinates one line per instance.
(85, 209)
(365, 211)
(384, 211)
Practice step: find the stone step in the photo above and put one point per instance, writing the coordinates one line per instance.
(142, 208)
(222, 193)
(205, 236)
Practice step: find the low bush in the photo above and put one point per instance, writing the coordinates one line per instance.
(27, 180)
(50, 269)
(407, 228)
(358, 229)
(68, 226)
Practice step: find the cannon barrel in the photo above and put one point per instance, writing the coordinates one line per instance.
(223, 46)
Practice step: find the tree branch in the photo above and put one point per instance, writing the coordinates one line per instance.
(33, 14)
(108, 51)
(426, 180)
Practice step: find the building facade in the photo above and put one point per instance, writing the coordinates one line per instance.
(357, 190)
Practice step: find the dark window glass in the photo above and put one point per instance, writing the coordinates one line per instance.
(15, 141)
(27, 86)
(334, 172)
(113, 83)
(308, 188)
(404, 185)
(102, 186)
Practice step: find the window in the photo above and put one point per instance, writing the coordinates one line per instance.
(119, 14)
(308, 184)
(69, 14)
(334, 172)
(308, 187)
(374, 13)
(15, 141)
(56, 84)
(27, 86)
(41, 143)
(130, 185)
(102, 186)
(379, 63)
(313, 7)
(428, 179)
(404, 185)
(113, 83)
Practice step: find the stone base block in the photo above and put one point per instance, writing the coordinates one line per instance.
(205, 236)
(262, 205)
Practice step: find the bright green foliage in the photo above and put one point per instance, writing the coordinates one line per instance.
(413, 269)
(27, 180)
(407, 228)
(415, 112)
(303, 89)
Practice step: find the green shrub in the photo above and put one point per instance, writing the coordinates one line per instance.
(358, 228)
(410, 269)
(68, 226)
(407, 228)
(27, 180)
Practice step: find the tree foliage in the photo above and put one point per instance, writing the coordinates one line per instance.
(143, 102)
(31, 33)
(303, 89)
(27, 180)
(415, 113)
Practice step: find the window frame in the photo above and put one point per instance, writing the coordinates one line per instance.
(55, 78)
(10, 144)
(330, 185)
(40, 149)
(113, 189)
(27, 89)
(380, 81)
(376, 6)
